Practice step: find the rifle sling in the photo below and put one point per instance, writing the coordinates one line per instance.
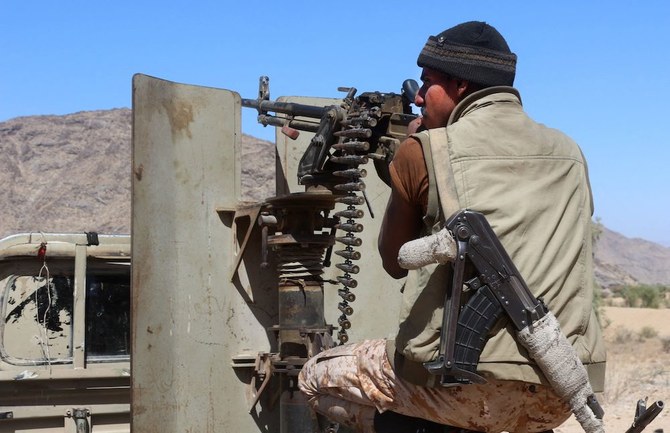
(442, 196)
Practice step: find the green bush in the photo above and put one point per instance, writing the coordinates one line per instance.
(643, 296)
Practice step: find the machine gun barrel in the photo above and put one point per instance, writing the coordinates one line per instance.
(303, 110)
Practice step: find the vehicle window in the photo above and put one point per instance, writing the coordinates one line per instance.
(38, 316)
(107, 315)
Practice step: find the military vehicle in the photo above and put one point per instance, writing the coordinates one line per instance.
(229, 297)
(65, 337)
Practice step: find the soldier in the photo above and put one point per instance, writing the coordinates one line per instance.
(532, 185)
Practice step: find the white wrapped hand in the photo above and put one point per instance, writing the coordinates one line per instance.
(437, 248)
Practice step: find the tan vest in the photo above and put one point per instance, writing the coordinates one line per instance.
(531, 183)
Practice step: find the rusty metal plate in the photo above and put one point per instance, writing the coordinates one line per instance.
(189, 319)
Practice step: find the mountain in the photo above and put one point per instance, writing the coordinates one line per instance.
(620, 260)
(71, 173)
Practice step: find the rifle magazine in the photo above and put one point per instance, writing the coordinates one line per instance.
(477, 318)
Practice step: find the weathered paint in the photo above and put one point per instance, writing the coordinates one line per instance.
(43, 378)
(197, 331)
(189, 319)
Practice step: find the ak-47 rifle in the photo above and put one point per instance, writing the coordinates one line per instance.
(499, 289)
(368, 126)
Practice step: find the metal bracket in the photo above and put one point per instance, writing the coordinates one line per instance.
(262, 372)
(81, 418)
(252, 212)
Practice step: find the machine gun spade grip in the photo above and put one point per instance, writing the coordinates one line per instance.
(409, 90)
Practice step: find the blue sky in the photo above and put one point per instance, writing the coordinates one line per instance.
(599, 71)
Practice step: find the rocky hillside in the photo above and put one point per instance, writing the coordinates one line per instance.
(72, 173)
(624, 261)
(66, 173)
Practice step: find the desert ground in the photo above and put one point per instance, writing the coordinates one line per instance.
(638, 367)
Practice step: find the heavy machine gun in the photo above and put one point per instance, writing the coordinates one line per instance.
(368, 126)
(349, 134)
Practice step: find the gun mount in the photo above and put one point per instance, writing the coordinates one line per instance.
(346, 135)
(229, 294)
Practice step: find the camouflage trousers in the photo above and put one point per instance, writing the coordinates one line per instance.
(349, 383)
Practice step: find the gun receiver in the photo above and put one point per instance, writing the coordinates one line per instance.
(368, 126)
(498, 288)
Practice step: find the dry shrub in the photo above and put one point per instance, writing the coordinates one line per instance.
(665, 344)
(648, 332)
(623, 336)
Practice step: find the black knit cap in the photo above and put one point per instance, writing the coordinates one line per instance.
(473, 51)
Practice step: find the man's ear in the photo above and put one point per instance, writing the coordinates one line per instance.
(462, 87)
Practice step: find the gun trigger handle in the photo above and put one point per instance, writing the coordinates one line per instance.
(290, 132)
